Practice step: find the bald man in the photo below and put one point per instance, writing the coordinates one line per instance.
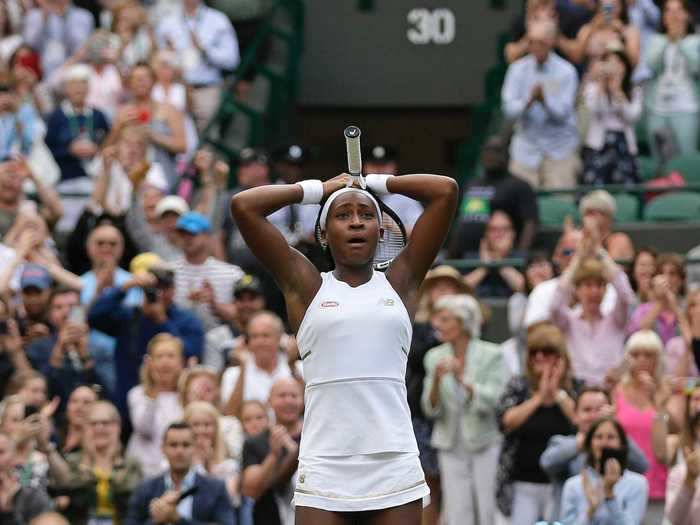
(265, 364)
(49, 518)
(105, 247)
(539, 95)
(270, 459)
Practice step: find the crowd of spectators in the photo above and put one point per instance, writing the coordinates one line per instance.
(147, 371)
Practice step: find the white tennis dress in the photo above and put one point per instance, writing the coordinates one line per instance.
(358, 451)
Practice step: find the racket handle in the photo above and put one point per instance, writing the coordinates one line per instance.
(352, 145)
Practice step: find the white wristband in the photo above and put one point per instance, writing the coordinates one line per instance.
(377, 183)
(313, 191)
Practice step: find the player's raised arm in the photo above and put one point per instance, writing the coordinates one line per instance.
(438, 194)
(294, 273)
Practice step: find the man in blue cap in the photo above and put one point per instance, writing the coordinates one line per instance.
(203, 284)
(133, 327)
(35, 284)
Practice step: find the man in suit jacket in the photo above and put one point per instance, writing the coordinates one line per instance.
(157, 500)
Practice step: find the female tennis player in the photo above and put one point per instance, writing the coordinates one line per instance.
(358, 460)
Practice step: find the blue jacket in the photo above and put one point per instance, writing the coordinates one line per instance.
(133, 331)
(211, 504)
(62, 129)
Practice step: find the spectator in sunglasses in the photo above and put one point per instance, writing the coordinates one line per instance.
(534, 407)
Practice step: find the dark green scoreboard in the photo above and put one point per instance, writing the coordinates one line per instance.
(400, 53)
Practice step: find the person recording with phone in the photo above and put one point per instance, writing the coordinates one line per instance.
(606, 492)
(67, 357)
(614, 106)
(181, 494)
(134, 326)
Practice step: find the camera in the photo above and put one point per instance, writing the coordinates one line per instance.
(165, 279)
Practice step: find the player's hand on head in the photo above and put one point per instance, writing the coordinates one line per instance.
(336, 183)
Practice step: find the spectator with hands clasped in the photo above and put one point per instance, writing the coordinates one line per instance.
(605, 493)
(533, 408)
(595, 339)
(683, 489)
(463, 382)
(496, 245)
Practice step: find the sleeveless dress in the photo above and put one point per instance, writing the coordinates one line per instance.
(638, 426)
(358, 451)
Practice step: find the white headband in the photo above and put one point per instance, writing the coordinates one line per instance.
(327, 205)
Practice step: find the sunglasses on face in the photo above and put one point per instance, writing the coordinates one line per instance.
(545, 351)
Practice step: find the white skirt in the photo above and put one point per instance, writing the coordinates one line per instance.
(360, 483)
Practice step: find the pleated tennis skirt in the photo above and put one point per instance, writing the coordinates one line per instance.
(359, 483)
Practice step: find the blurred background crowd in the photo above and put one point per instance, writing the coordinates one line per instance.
(147, 372)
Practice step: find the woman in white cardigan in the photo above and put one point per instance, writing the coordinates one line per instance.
(613, 106)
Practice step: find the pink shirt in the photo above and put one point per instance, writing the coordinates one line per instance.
(594, 346)
(638, 424)
(105, 90)
(682, 504)
(674, 354)
(666, 325)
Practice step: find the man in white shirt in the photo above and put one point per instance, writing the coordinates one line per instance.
(266, 364)
(206, 45)
(203, 284)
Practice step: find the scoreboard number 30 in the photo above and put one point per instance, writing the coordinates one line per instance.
(427, 26)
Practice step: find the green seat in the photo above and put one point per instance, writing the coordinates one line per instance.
(553, 210)
(686, 165)
(627, 208)
(648, 168)
(677, 206)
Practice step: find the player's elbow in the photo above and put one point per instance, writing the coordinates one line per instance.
(252, 485)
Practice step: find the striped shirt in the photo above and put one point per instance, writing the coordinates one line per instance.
(221, 276)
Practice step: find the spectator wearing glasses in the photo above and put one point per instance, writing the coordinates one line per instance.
(533, 408)
(98, 479)
(598, 208)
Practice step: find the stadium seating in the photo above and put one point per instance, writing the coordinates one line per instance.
(676, 206)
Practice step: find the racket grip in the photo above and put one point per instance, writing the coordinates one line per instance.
(352, 145)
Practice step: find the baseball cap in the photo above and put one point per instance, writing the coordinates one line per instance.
(380, 153)
(194, 223)
(248, 283)
(35, 276)
(144, 262)
(172, 203)
(251, 156)
(294, 154)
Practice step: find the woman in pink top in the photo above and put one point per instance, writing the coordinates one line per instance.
(640, 399)
(683, 491)
(662, 313)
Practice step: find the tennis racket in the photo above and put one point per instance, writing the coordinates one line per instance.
(394, 236)
(354, 152)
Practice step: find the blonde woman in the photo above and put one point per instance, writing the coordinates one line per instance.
(30, 464)
(210, 449)
(533, 408)
(154, 404)
(201, 383)
(640, 402)
(98, 479)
